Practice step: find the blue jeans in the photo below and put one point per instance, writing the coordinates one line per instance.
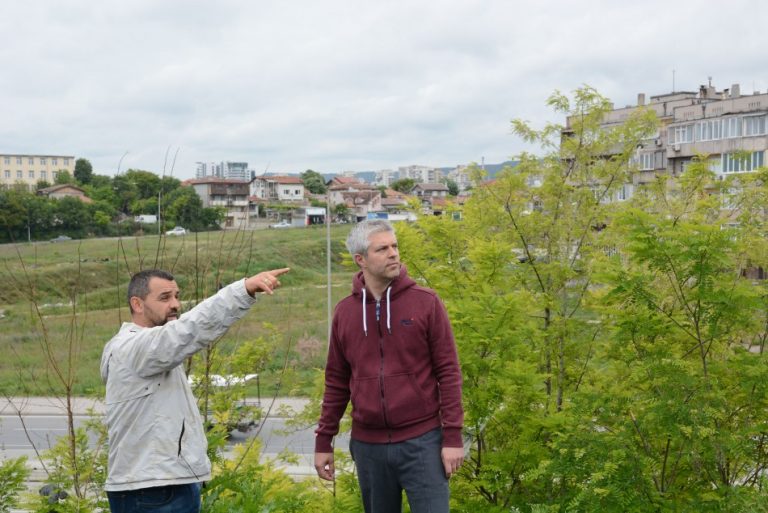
(415, 466)
(161, 499)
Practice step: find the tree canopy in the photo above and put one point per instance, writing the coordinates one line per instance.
(83, 171)
(612, 351)
(404, 185)
(313, 181)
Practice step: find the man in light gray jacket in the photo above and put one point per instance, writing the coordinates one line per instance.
(157, 445)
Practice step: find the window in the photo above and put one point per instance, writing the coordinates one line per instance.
(754, 125)
(645, 161)
(7, 160)
(7, 174)
(737, 164)
(66, 162)
(43, 175)
(54, 161)
(732, 127)
(19, 174)
(709, 130)
(297, 192)
(42, 161)
(624, 193)
(31, 161)
(681, 134)
(32, 174)
(54, 174)
(18, 161)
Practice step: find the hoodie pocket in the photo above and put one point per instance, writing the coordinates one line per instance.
(405, 402)
(366, 399)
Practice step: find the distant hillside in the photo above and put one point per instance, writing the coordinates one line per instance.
(370, 176)
(491, 169)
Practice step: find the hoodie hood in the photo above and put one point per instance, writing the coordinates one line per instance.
(397, 287)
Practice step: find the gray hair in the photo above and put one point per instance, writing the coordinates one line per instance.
(357, 240)
(139, 285)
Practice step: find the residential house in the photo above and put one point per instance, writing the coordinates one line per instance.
(359, 197)
(64, 190)
(429, 191)
(395, 201)
(278, 188)
(232, 195)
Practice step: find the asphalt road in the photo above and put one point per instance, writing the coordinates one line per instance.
(43, 428)
(17, 439)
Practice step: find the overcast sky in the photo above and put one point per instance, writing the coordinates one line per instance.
(336, 85)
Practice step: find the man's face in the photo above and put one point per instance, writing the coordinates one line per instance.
(160, 306)
(382, 262)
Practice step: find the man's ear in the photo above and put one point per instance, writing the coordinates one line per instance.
(359, 260)
(136, 304)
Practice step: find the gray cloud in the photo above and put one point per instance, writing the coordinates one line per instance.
(341, 84)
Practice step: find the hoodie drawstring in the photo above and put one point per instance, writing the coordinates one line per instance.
(389, 313)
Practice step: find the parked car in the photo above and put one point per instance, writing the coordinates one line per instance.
(281, 224)
(61, 238)
(177, 230)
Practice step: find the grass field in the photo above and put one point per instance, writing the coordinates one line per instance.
(67, 299)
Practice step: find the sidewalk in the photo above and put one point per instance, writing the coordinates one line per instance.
(82, 405)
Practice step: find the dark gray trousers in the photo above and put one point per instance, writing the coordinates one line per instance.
(385, 470)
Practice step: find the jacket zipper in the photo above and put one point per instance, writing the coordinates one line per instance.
(381, 369)
(181, 435)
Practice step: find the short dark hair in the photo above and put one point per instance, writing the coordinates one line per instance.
(139, 285)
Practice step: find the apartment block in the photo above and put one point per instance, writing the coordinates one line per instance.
(27, 170)
(730, 128)
(385, 177)
(421, 174)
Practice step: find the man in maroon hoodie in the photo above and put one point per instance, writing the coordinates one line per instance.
(393, 355)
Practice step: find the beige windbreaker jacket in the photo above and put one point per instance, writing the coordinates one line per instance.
(155, 430)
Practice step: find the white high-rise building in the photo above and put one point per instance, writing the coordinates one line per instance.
(228, 169)
(421, 174)
(385, 177)
(208, 169)
(235, 170)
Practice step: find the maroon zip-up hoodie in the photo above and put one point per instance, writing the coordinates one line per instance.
(397, 363)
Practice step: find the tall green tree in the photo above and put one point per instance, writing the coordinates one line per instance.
(453, 187)
(125, 193)
(147, 183)
(83, 171)
(404, 185)
(313, 181)
(185, 208)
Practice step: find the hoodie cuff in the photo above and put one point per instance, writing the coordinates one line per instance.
(323, 443)
(452, 437)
